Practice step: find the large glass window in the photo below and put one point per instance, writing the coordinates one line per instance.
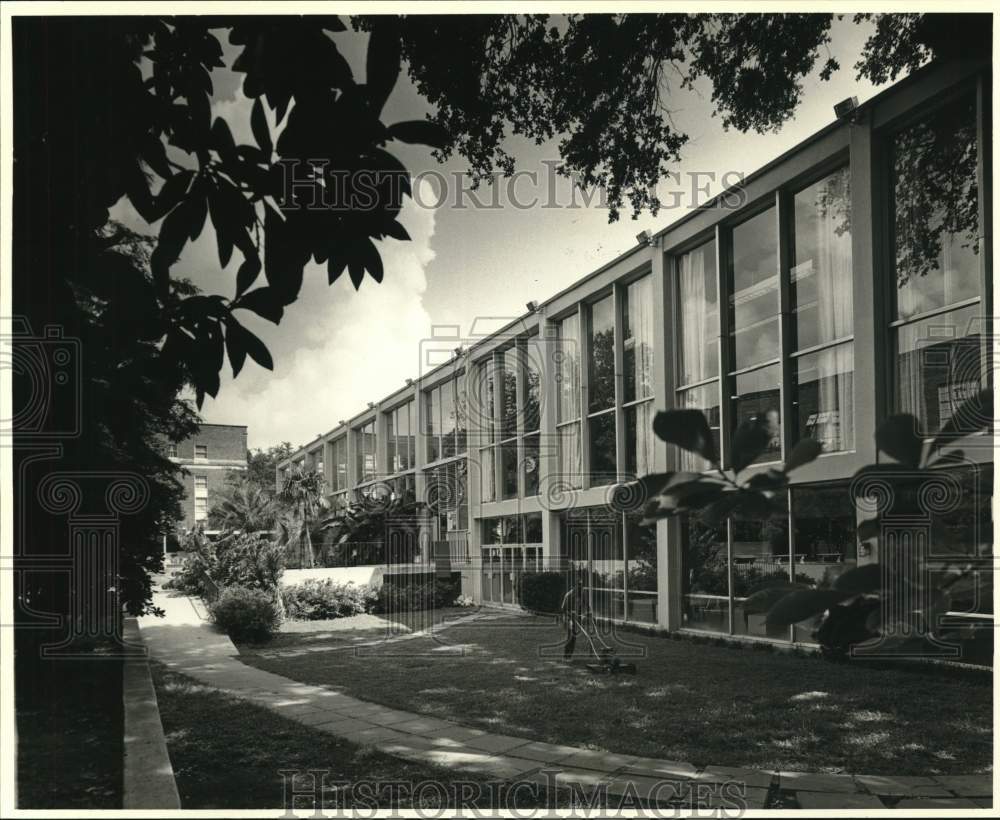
(638, 359)
(698, 341)
(616, 559)
(753, 291)
(757, 395)
(935, 231)
(568, 409)
(340, 480)
(445, 423)
(822, 306)
(531, 414)
(753, 325)
(487, 462)
(365, 448)
(399, 442)
(601, 393)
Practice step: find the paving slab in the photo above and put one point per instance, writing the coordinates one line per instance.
(496, 743)
(598, 760)
(805, 782)
(838, 800)
(666, 769)
(902, 786)
(730, 796)
(751, 778)
(652, 790)
(546, 752)
(457, 734)
(936, 803)
(424, 726)
(968, 785)
(340, 725)
(565, 776)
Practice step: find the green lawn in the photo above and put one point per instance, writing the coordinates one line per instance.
(691, 701)
(226, 753)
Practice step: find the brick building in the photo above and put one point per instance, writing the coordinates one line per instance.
(208, 457)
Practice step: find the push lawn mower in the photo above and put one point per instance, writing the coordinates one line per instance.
(607, 661)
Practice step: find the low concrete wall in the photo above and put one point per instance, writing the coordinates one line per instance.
(358, 576)
(148, 777)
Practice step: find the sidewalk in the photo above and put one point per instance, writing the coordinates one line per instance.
(185, 641)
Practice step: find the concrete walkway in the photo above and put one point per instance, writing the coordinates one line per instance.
(187, 643)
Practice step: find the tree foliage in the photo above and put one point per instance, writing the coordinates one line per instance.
(605, 84)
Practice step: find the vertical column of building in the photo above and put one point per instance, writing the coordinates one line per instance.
(870, 335)
(420, 488)
(472, 575)
(548, 449)
(669, 564)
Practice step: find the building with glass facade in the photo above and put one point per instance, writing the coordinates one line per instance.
(843, 282)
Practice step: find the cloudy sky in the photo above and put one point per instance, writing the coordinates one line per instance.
(337, 349)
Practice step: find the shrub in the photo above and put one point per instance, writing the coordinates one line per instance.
(317, 599)
(413, 594)
(246, 614)
(248, 560)
(542, 591)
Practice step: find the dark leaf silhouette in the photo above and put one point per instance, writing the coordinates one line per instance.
(688, 429)
(382, 64)
(261, 133)
(803, 603)
(420, 132)
(806, 450)
(897, 436)
(751, 439)
(861, 579)
(262, 302)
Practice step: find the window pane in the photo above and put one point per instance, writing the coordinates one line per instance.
(531, 465)
(533, 528)
(938, 366)
(936, 209)
(753, 283)
(758, 397)
(698, 316)
(760, 560)
(821, 287)
(404, 443)
(461, 415)
(823, 397)
(706, 399)
(532, 380)
(569, 368)
(638, 341)
(608, 564)
(390, 442)
(602, 354)
(603, 458)
(447, 419)
(487, 475)
(508, 397)
(508, 453)
(825, 540)
(486, 398)
(639, 439)
(640, 552)
(433, 425)
(569, 456)
(705, 576)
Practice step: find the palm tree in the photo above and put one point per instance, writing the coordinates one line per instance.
(303, 493)
(244, 506)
